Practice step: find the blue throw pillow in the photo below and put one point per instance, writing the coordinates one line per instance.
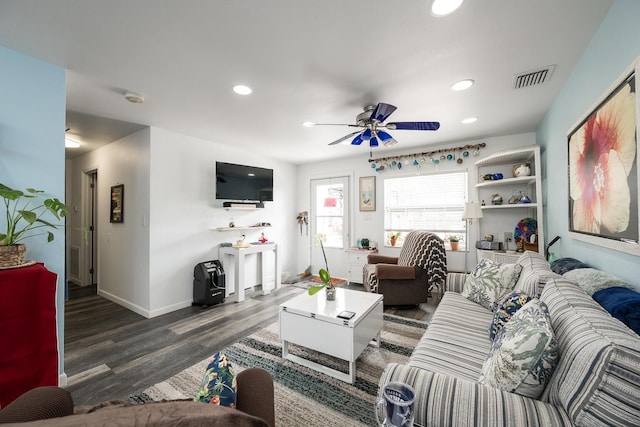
(564, 265)
(507, 307)
(219, 383)
(621, 303)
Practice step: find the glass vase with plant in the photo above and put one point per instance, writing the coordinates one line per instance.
(325, 277)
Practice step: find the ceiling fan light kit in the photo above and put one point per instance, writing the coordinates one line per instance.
(371, 121)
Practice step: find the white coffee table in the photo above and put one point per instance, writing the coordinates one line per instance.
(312, 322)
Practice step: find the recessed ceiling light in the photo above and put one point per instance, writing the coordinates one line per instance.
(308, 124)
(242, 90)
(71, 143)
(444, 7)
(462, 84)
(470, 120)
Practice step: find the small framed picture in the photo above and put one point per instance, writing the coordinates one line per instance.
(117, 204)
(367, 193)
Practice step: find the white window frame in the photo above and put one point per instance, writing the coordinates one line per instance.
(422, 207)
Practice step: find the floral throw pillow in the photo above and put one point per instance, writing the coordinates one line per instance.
(489, 281)
(507, 306)
(524, 354)
(219, 383)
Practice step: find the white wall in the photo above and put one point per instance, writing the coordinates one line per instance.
(170, 213)
(613, 48)
(371, 224)
(184, 213)
(123, 248)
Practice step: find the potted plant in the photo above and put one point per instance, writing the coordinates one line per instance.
(393, 238)
(454, 240)
(25, 217)
(324, 274)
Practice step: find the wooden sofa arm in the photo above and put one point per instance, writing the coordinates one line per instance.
(392, 271)
(381, 259)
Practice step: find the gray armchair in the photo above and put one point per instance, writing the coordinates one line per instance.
(408, 278)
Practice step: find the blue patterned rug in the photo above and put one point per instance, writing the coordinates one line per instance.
(304, 396)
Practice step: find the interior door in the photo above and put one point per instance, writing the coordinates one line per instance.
(330, 219)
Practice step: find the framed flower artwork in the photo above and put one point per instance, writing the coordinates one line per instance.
(603, 169)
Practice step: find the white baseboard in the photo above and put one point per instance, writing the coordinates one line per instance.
(170, 308)
(142, 311)
(133, 307)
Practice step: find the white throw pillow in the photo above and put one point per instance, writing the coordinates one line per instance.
(524, 354)
(592, 280)
(490, 281)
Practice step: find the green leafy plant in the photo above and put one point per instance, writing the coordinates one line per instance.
(24, 212)
(395, 235)
(455, 238)
(324, 272)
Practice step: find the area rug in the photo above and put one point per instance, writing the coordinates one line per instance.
(304, 396)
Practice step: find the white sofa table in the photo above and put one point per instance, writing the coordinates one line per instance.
(236, 269)
(312, 322)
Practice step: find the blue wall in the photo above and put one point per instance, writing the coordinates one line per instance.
(32, 123)
(612, 50)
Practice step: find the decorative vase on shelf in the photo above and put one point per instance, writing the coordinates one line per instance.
(454, 246)
(331, 292)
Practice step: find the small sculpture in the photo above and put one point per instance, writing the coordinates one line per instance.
(496, 199)
(262, 238)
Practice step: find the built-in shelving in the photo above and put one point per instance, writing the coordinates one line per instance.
(503, 218)
(511, 206)
(251, 227)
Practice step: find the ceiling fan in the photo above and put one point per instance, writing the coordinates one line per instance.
(371, 121)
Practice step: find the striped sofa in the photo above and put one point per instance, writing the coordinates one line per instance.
(596, 382)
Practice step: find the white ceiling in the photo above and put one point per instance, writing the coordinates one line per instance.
(305, 60)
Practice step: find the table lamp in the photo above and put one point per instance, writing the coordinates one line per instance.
(472, 210)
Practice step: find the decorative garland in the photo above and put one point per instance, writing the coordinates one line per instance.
(419, 159)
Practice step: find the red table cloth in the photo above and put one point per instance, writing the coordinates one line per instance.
(28, 330)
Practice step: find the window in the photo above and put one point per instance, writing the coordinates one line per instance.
(433, 202)
(329, 212)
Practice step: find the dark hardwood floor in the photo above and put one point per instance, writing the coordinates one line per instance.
(112, 352)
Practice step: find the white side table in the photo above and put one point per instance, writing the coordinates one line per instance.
(356, 260)
(235, 270)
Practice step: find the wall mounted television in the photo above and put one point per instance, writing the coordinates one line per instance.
(243, 183)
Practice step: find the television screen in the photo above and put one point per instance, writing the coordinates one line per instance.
(245, 183)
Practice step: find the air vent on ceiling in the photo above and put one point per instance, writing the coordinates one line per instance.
(532, 78)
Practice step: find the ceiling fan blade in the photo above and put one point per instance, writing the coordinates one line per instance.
(357, 140)
(382, 111)
(414, 125)
(373, 142)
(366, 135)
(344, 138)
(386, 139)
